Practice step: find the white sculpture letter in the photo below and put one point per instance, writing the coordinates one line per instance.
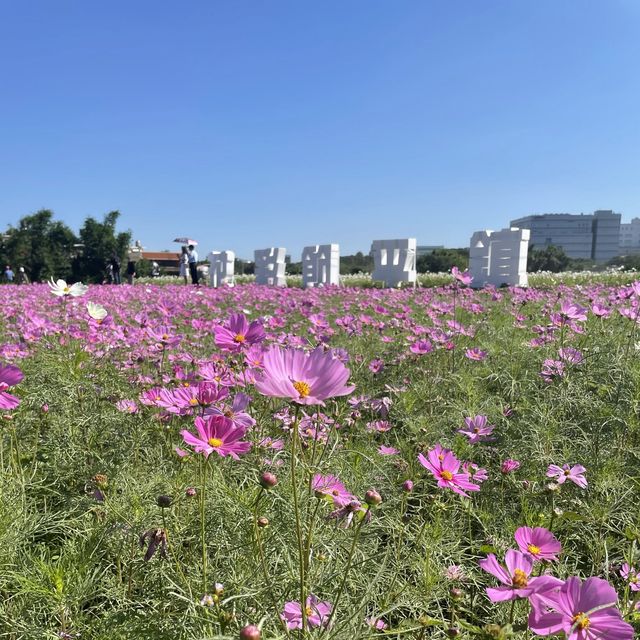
(499, 257)
(221, 268)
(394, 261)
(320, 265)
(270, 266)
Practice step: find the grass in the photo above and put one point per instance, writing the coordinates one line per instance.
(80, 482)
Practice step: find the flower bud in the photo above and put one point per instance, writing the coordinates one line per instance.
(453, 632)
(268, 480)
(407, 486)
(263, 522)
(372, 498)
(101, 480)
(190, 492)
(44, 408)
(164, 501)
(456, 593)
(250, 632)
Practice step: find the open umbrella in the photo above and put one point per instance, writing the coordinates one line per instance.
(186, 241)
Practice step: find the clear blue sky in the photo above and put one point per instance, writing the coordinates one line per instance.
(249, 124)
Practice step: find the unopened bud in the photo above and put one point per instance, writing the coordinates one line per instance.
(44, 408)
(268, 480)
(456, 593)
(453, 632)
(164, 501)
(263, 522)
(250, 632)
(190, 492)
(407, 486)
(372, 498)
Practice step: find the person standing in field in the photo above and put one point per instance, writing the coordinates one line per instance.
(8, 274)
(193, 264)
(115, 263)
(184, 263)
(131, 271)
(22, 278)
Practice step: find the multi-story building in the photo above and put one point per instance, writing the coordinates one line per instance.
(594, 236)
(630, 236)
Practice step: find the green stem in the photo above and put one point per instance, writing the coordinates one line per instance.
(203, 541)
(296, 506)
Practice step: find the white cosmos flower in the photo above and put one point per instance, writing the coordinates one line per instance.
(97, 311)
(61, 288)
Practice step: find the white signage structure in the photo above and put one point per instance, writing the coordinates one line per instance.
(320, 265)
(221, 268)
(394, 261)
(499, 257)
(270, 266)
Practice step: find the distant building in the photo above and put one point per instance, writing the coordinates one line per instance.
(594, 236)
(168, 261)
(630, 236)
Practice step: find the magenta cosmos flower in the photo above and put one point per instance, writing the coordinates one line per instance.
(330, 487)
(630, 574)
(238, 333)
(305, 378)
(516, 577)
(462, 277)
(475, 354)
(539, 543)
(217, 433)
(318, 613)
(565, 472)
(582, 610)
(445, 468)
(9, 377)
(477, 429)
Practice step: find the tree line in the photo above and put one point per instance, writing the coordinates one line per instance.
(49, 248)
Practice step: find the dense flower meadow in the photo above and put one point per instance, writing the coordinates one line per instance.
(251, 462)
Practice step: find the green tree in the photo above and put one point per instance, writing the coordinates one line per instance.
(441, 260)
(550, 258)
(44, 247)
(100, 241)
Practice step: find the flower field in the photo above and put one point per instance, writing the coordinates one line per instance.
(182, 463)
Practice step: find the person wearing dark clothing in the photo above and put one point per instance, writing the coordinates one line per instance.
(115, 264)
(131, 271)
(193, 263)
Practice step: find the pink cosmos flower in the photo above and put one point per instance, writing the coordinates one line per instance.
(600, 310)
(317, 613)
(127, 406)
(539, 543)
(573, 311)
(509, 466)
(9, 377)
(463, 277)
(476, 473)
(477, 429)
(330, 487)
(476, 354)
(383, 450)
(630, 574)
(582, 610)
(217, 433)
(376, 623)
(571, 355)
(381, 426)
(445, 468)
(421, 347)
(565, 472)
(237, 333)
(305, 378)
(236, 412)
(552, 369)
(516, 578)
(376, 365)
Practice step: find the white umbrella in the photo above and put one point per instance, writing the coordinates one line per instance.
(186, 241)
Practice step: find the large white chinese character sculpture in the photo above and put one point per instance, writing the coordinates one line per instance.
(394, 261)
(499, 257)
(270, 266)
(221, 268)
(320, 265)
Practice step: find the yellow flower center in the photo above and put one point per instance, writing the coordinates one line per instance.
(447, 475)
(567, 472)
(533, 550)
(239, 338)
(520, 579)
(308, 611)
(66, 290)
(215, 442)
(302, 388)
(193, 402)
(165, 336)
(440, 457)
(581, 621)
